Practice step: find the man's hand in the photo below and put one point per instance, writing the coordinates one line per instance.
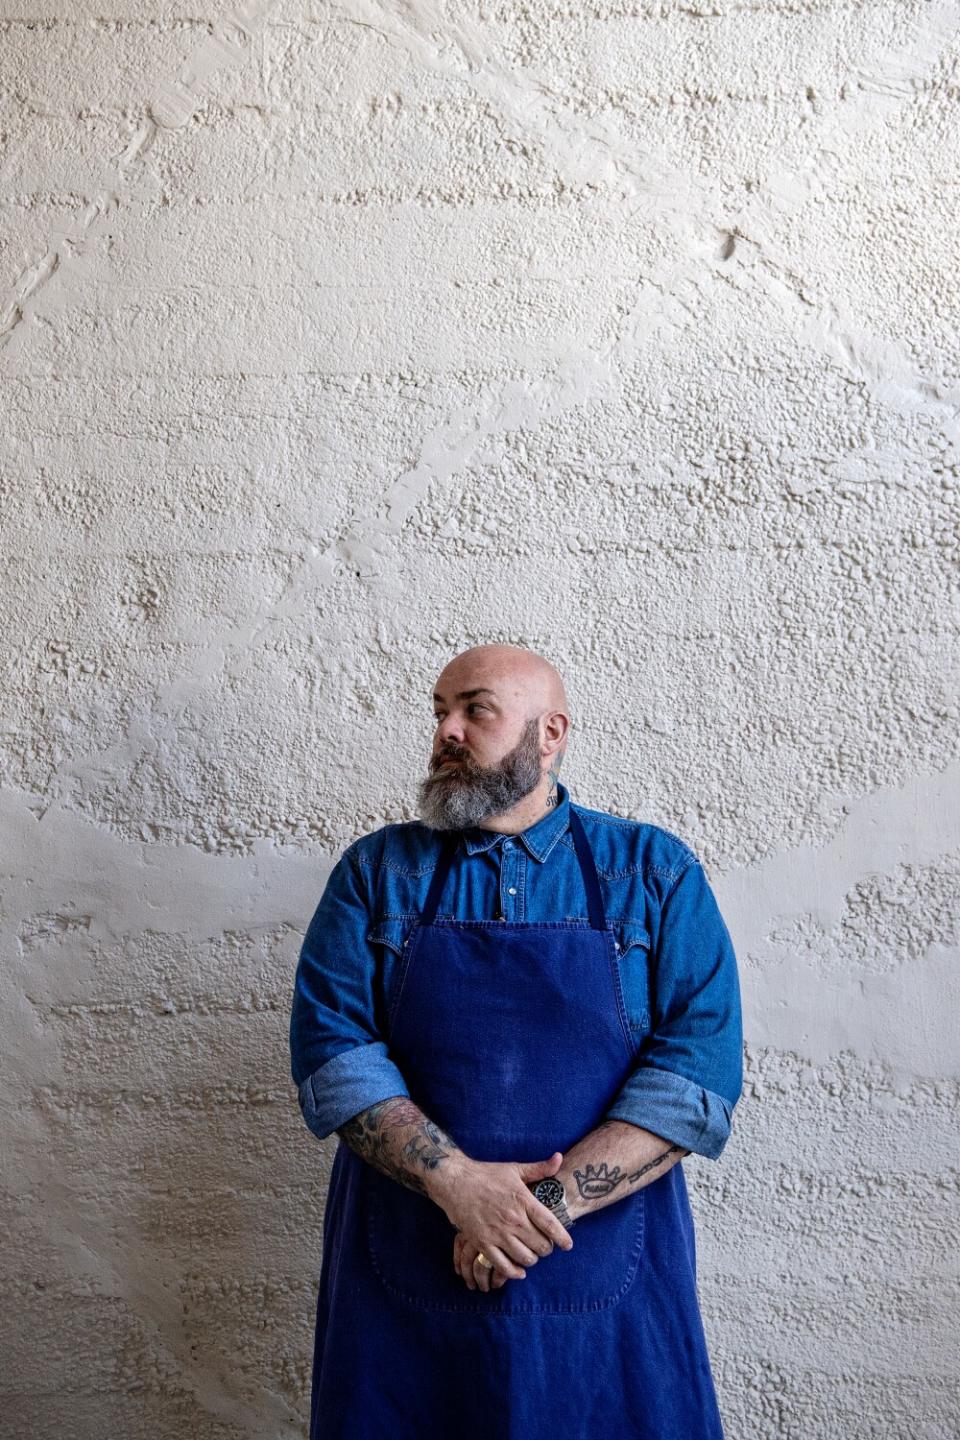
(493, 1210)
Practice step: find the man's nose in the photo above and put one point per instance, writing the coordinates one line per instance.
(449, 732)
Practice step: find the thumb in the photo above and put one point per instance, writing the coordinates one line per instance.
(537, 1169)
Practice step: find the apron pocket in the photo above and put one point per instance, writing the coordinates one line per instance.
(411, 1247)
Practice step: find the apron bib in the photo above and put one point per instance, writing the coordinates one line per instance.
(512, 1037)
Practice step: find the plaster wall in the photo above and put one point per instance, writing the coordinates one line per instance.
(333, 339)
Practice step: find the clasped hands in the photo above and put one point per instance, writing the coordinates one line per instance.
(493, 1211)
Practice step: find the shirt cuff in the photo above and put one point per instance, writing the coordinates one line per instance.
(347, 1084)
(676, 1108)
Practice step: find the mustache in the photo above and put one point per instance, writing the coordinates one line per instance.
(447, 755)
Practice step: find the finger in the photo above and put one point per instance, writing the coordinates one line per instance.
(496, 1277)
(550, 1226)
(503, 1262)
(539, 1169)
(468, 1254)
(534, 1238)
(513, 1246)
(482, 1275)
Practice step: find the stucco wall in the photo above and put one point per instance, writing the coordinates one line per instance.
(337, 338)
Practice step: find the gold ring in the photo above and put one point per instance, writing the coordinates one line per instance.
(487, 1264)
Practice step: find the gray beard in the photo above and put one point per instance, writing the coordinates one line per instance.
(457, 796)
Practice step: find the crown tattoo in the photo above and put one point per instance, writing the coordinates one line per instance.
(598, 1180)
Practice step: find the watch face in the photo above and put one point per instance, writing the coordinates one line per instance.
(549, 1192)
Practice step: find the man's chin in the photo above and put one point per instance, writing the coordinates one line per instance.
(438, 813)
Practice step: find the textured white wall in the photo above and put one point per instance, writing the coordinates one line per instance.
(337, 338)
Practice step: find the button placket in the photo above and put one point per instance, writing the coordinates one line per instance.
(509, 865)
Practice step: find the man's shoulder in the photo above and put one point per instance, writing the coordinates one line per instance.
(404, 844)
(622, 844)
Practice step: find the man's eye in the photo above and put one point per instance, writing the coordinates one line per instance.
(474, 705)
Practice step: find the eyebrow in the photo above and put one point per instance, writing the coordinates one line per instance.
(467, 694)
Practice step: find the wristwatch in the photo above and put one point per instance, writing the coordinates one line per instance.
(550, 1192)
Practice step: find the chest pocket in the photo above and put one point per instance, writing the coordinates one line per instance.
(632, 940)
(391, 931)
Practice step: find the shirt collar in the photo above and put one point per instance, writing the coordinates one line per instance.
(539, 838)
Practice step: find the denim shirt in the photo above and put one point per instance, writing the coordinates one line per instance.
(677, 965)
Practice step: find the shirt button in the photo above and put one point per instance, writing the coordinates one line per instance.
(512, 890)
(508, 844)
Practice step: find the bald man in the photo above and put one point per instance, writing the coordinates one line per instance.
(519, 1015)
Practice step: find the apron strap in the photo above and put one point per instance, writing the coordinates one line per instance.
(589, 871)
(584, 854)
(428, 914)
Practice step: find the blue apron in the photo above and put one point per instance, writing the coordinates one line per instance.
(514, 1039)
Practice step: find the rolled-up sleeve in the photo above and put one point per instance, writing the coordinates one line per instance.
(338, 1061)
(689, 1072)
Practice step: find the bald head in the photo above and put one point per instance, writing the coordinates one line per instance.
(527, 681)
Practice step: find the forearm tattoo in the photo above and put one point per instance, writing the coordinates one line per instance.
(657, 1160)
(598, 1181)
(373, 1134)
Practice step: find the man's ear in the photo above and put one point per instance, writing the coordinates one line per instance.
(557, 721)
